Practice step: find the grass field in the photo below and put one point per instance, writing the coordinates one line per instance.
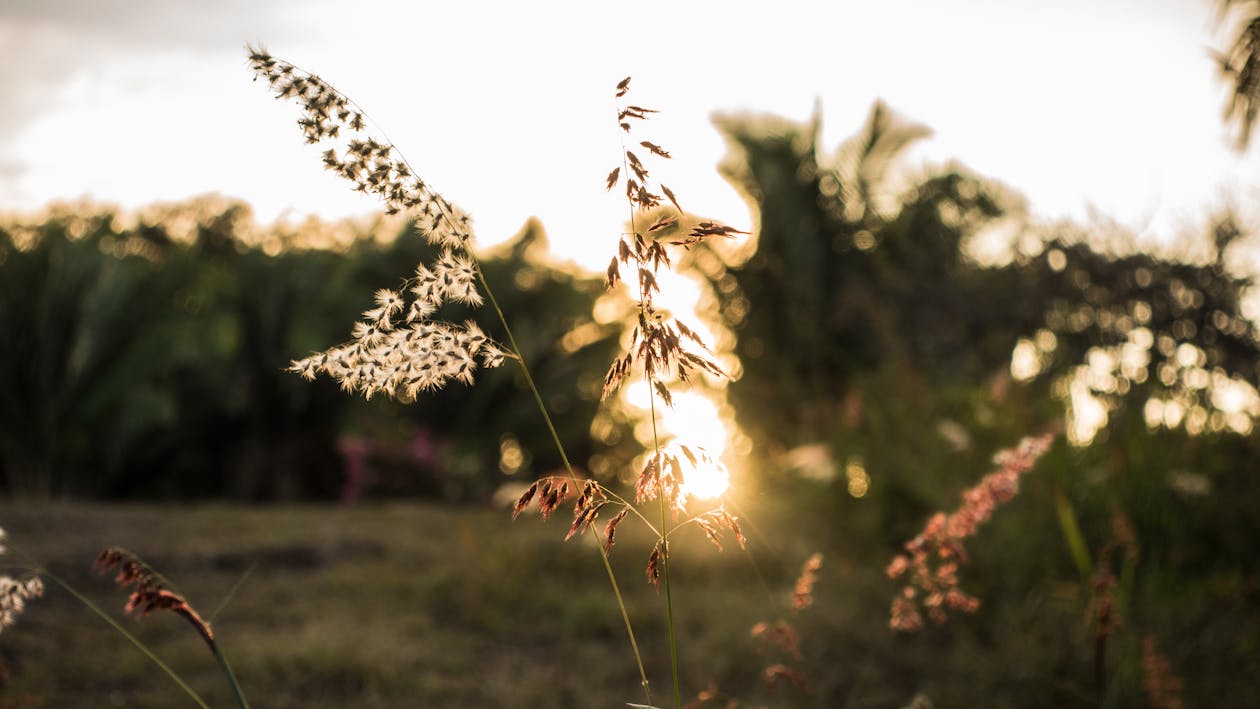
(419, 605)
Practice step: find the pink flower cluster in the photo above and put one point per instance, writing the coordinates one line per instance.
(930, 564)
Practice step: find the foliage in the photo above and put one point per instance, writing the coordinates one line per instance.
(849, 281)
(867, 324)
(147, 359)
(391, 604)
(1240, 66)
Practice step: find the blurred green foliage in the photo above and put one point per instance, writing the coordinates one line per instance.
(148, 360)
(866, 323)
(854, 274)
(869, 326)
(876, 345)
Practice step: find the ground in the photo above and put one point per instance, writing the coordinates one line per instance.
(414, 604)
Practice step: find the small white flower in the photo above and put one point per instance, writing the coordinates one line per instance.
(388, 301)
(429, 287)
(305, 368)
(491, 356)
(15, 593)
(367, 333)
(420, 309)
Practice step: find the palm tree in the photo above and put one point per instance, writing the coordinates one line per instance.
(1241, 67)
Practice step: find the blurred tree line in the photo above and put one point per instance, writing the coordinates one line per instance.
(866, 320)
(145, 356)
(893, 330)
(897, 329)
(146, 359)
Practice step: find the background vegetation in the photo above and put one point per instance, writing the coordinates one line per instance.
(893, 330)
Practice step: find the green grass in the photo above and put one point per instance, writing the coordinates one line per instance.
(402, 605)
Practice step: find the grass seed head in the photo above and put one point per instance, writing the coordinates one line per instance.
(930, 562)
(151, 592)
(384, 358)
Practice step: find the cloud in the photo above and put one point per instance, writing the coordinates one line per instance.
(45, 43)
(154, 23)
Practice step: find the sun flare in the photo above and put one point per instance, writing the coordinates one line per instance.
(707, 480)
(704, 476)
(694, 418)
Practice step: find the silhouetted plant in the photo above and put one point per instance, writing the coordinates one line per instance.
(402, 348)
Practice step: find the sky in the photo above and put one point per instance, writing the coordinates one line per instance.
(1085, 107)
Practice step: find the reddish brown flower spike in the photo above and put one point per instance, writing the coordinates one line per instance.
(645, 486)
(776, 675)
(656, 149)
(710, 531)
(146, 602)
(587, 509)
(663, 223)
(150, 592)
(673, 200)
(779, 635)
(1163, 688)
(731, 522)
(523, 501)
(654, 565)
(551, 498)
(802, 594)
(663, 392)
(613, 275)
(610, 529)
(929, 565)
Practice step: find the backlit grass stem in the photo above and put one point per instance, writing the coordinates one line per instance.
(564, 457)
(100, 613)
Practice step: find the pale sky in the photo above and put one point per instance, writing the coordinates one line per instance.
(506, 107)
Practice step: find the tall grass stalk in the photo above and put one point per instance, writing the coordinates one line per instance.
(400, 348)
(663, 535)
(657, 343)
(664, 541)
(568, 467)
(151, 591)
(404, 192)
(100, 613)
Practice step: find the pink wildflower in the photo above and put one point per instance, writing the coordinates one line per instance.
(930, 564)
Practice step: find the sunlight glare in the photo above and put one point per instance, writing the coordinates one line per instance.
(1087, 414)
(694, 419)
(705, 480)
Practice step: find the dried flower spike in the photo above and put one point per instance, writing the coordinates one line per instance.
(398, 349)
(151, 591)
(802, 593)
(658, 343)
(932, 558)
(653, 569)
(15, 593)
(1163, 688)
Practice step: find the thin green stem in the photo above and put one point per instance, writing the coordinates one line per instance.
(564, 457)
(232, 591)
(765, 586)
(625, 617)
(123, 631)
(669, 597)
(227, 670)
(656, 447)
(214, 645)
(443, 207)
(623, 501)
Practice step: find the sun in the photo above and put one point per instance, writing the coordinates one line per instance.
(704, 477)
(706, 480)
(694, 418)
(695, 421)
